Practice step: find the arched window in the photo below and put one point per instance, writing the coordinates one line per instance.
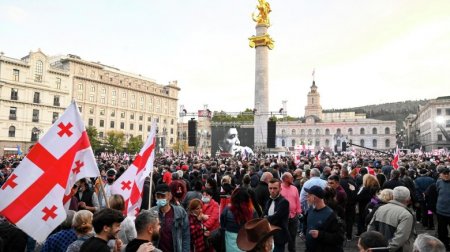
(374, 131)
(387, 131)
(361, 142)
(327, 132)
(374, 143)
(317, 131)
(327, 142)
(387, 143)
(317, 142)
(350, 131)
(338, 131)
(283, 143)
(283, 131)
(302, 132)
(293, 131)
(293, 142)
(362, 131)
(310, 132)
(12, 131)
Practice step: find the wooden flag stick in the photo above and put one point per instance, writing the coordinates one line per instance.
(150, 190)
(102, 191)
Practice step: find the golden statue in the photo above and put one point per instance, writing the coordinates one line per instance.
(263, 16)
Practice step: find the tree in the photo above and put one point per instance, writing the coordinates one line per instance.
(115, 140)
(93, 138)
(180, 147)
(135, 144)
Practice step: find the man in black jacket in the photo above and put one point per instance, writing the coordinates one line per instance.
(262, 190)
(277, 212)
(323, 230)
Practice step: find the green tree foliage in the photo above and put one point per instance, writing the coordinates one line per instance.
(135, 144)
(93, 138)
(246, 116)
(115, 140)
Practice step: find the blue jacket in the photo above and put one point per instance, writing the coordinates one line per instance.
(180, 232)
(443, 204)
(421, 184)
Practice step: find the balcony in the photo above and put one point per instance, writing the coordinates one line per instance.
(12, 117)
(36, 100)
(35, 119)
(14, 97)
(56, 104)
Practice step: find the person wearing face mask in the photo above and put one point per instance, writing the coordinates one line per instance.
(210, 211)
(322, 229)
(174, 221)
(290, 193)
(110, 178)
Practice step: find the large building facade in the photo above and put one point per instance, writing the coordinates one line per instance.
(430, 128)
(109, 99)
(330, 130)
(33, 94)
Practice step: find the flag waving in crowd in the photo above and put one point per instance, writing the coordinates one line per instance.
(130, 184)
(32, 197)
(396, 157)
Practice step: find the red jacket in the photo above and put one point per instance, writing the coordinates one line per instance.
(212, 210)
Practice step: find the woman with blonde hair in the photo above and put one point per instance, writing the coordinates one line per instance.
(382, 198)
(82, 223)
(369, 188)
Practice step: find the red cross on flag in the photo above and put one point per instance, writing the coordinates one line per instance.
(131, 182)
(394, 162)
(33, 196)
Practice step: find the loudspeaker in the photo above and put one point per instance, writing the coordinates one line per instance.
(271, 131)
(344, 146)
(192, 133)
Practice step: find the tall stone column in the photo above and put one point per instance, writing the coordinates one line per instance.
(262, 42)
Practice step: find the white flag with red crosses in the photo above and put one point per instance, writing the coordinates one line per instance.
(131, 183)
(32, 197)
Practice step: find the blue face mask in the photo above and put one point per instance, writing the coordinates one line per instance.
(205, 199)
(161, 202)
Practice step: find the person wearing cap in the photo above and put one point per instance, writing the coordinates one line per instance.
(174, 232)
(322, 229)
(396, 221)
(421, 184)
(443, 205)
(256, 235)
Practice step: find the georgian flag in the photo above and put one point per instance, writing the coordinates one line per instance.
(131, 183)
(32, 197)
(395, 161)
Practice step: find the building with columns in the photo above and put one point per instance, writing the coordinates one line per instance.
(330, 130)
(108, 98)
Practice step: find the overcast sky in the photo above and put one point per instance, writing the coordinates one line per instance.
(364, 52)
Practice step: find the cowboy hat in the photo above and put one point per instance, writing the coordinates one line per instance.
(254, 232)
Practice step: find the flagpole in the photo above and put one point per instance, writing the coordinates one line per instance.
(102, 191)
(150, 190)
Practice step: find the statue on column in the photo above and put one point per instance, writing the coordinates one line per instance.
(263, 16)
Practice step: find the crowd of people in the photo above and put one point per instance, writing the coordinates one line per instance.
(260, 203)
